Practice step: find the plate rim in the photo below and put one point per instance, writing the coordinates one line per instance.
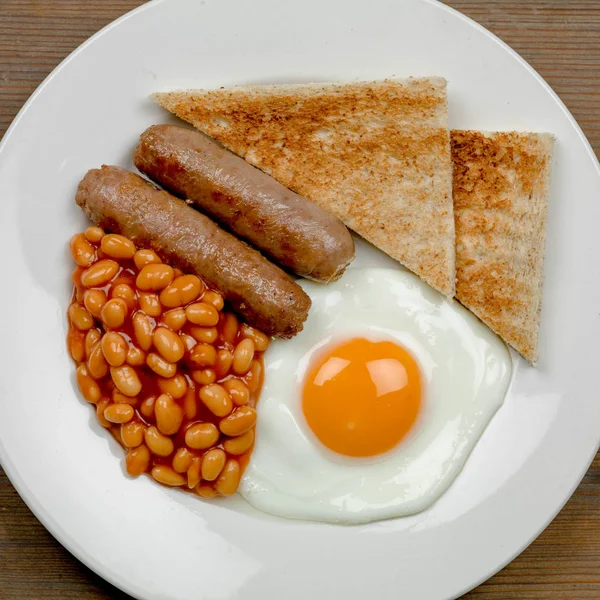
(35, 506)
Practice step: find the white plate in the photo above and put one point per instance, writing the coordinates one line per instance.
(155, 543)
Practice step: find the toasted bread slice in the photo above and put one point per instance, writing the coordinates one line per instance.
(375, 154)
(501, 186)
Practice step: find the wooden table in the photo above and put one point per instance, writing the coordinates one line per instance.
(561, 39)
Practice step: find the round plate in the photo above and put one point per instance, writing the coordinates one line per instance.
(158, 543)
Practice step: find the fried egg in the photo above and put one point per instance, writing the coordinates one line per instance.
(372, 410)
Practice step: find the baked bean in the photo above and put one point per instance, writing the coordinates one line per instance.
(76, 277)
(204, 376)
(92, 337)
(238, 391)
(142, 329)
(213, 298)
(89, 389)
(165, 475)
(168, 414)
(240, 444)
(114, 313)
(132, 434)
(182, 460)
(188, 341)
(238, 422)
(228, 481)
(145, 257)
(229, 327)
(203, 355)
(126, 380)
(159, 301)
(126, 293)
(190, 406)
(114, 348)
(159, 444)
(80, 317)
(175, 319)
(150, 304)
(223, 362)
(242, 356)
(201, 313)
(119, 398)
(212, 464)
(115, 431)
(168, 344)
(160, 366)
(204, 335)
(193, 473)
(206, 491)
(137, 460)
(175, 386)
(82, 251)
(135, 357)
(181, 291)
(201, 436)
(261, 341)
(154, 277)
(254, 376)
(126, 276)
(117, 246)
(94, 234)
(119, 413)
(94, 300)
(100, 408)
(76, 344)
(100, 273)
(96, 363)
(147, 407)
(216, 399)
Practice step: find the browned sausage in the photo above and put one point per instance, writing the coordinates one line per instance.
(259, 291)
(293, 231)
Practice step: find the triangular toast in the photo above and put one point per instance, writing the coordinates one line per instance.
(375, 154)
(501, 186)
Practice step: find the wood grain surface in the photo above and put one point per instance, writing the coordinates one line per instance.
(561, 39)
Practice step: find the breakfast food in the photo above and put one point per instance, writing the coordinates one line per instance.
(373, 407)
(374, 154)
(173, 376)
(291, 230)
(395, 386)
(501, 186)
(260, 292)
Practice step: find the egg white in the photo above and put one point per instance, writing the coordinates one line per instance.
(465, 369)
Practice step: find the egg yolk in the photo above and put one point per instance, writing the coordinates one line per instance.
(361, 398)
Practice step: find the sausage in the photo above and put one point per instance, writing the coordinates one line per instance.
(260, 292)
(293, 231)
